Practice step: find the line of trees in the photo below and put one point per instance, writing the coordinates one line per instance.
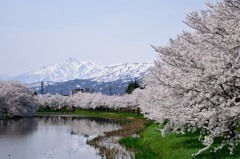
(126, 103)
(195, 83)
(17, 101)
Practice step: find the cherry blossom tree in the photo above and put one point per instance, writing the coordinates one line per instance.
(94, 100)
(88, 101)
(195, 84)
(16, 100)
(51, 101)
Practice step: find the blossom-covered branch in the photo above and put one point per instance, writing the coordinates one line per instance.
(195, 83)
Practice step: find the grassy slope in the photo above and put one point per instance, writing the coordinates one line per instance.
(151, 145)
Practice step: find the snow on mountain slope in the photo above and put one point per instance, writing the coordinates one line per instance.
(73, 69)
(122, 71)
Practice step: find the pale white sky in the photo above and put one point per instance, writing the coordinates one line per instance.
(40, 33)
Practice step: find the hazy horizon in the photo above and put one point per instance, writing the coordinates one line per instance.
(39, 33)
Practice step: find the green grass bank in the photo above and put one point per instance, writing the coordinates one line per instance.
(90, 113)
(151, 145)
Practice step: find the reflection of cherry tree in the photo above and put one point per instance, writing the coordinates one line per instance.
(82, 126)
(18, 128)
(16, 100)
(196, 81)
(92, 127)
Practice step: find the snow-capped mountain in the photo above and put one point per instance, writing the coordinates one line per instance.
(73, 69)
(121, 71)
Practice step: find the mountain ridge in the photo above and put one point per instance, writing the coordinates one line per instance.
(86, 70)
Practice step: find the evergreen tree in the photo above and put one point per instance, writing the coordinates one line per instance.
(131, 86)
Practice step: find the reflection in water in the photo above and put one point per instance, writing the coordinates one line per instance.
(17, 127)
(94, 128)
(58, 137)
(86, 126)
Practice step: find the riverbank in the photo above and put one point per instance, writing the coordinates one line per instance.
(151, 145)
(145, 140)
(91, 113)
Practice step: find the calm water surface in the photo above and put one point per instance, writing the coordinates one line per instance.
(56, 137)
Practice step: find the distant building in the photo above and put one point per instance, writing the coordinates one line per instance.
(84, 90)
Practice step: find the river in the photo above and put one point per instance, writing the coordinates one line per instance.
(53, 137)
